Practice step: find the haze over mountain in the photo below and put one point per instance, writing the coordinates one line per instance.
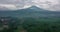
(30, 12)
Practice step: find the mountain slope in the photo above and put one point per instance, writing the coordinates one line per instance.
(30, 12)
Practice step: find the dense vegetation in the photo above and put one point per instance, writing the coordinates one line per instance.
(29, 24)
(42, 25)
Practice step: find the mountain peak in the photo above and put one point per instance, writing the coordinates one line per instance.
(34, 7)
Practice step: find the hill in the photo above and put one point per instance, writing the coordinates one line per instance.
(30, 12)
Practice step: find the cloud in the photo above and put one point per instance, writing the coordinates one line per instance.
(20, 4)
(48, 4)
(15, 4)
(7, 6)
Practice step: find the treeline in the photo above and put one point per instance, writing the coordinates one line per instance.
(29, 24)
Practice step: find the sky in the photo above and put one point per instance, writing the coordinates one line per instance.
(53, 5)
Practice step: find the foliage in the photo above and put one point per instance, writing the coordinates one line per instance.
(29, 24)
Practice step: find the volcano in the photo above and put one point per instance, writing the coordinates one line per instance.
(30, 12)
